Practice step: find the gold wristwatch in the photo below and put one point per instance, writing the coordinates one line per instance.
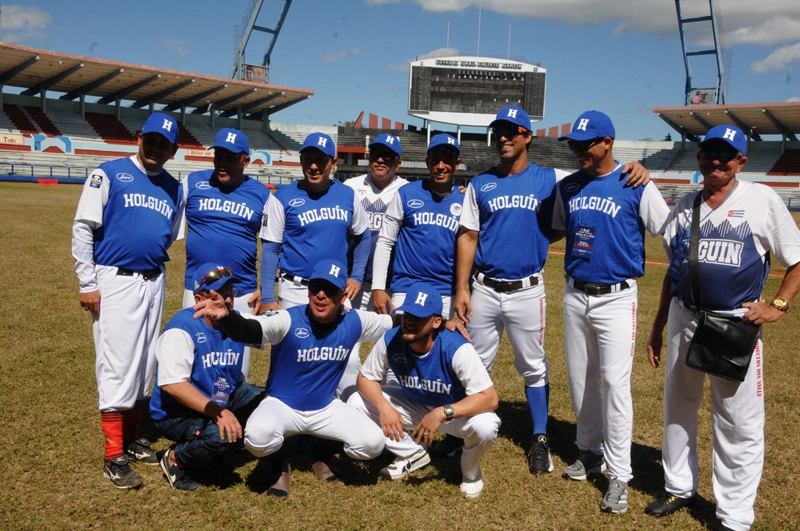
(780, 304)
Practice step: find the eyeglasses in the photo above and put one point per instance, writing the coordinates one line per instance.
(508, 130)
(214, 275)
(317, 285)
(583, 145)
(388, 158)
(719, 153)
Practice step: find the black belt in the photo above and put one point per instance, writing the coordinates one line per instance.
(503, 286)
(290, 278)
(598, 289)
(147, 275)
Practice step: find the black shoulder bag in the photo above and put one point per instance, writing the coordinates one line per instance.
(722, 345)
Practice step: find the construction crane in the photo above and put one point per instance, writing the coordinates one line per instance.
(698, 95)
(251, 72)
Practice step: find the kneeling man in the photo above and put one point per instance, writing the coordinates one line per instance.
(443, 387)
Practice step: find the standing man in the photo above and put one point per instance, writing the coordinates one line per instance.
(200, 399)
(376, 190)
(310, 348)
(604, 223)
(740, 224)
(443, 386)
(130, 211)
(503, 239)
(422, 216)
(225, 210)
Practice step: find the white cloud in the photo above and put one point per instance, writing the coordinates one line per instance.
(793, 99)
(404, 67)
(342, 54)
(19, 23)
(177, 48)
(778, 60)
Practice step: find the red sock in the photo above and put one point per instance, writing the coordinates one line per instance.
(130, 424)
(112, 429)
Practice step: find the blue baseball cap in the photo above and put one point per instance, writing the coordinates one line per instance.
(422, 300)
(212, 276)
(320, 141)
(443, 139)
(514, 114)
(158, 122)
(389, 141)
(590, 125)
(730, 134)
(233, 140)
(332, 271)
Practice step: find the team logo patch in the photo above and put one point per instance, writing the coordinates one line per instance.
(416, 203)
(572, 187)
(297, 201)
(201, 337)
(270, 313)
(264, 219)
(455, 209)
(96, 181)
(399, 357)
(203, 185)
(125, 177)
(302, 333)
(735, 213)
(488, 187)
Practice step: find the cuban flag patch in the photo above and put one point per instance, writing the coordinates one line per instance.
(735, 213)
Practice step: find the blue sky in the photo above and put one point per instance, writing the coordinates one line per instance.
(619, 56)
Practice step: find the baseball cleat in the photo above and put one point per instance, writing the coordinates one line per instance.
(121, 474)
(667, 505)
(616, 499)
(403, 466)
(472, 488)
(588, 463)
(177, 477)
(539, 461)
(450, 446)
(139, 450)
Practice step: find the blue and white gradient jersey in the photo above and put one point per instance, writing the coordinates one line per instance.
(734, 242)
(191, 351)
(307, 360)
(375, 203)
(313, 226)
(619, 217)
(513, 215)
(134, 215)
(425, 227)
(448, 373)
(224, 224)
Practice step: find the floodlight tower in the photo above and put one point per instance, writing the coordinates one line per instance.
(699, 95)
(239, 71)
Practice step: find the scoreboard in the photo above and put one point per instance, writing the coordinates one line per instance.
(470, 90)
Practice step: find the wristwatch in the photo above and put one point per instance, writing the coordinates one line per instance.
(449, 412)
(780, 304)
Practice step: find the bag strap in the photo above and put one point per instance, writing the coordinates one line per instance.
(694, 244)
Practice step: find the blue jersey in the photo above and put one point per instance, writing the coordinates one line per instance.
(223, 225)
(515, 212)
(426, 244)
(428, 379)
(307, 364)
(138, 218)
(216, 370)
(614, 218)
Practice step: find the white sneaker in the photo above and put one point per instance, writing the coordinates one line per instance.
(473, 488)
(402, 466)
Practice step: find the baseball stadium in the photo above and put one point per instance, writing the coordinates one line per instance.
(62, 116)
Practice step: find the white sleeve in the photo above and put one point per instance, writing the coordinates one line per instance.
(373, 325)
(376, 365)
(175, 356)
(470, 215)
(560, 174)
(470, 370)
(265, 216)
(360, 221)
(653, 210)
(273, 232)
(782, 236)
(88, 218)
(179, 221)
(392, 221)
(274, 326)
(94, 198)
(185, 185)
(559, 216)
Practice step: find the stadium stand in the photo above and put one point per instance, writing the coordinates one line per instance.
(787, 164)
(110, 129)
(20, 120)
(45, 124)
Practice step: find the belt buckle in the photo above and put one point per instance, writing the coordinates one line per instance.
(501, 286)
(147, 275)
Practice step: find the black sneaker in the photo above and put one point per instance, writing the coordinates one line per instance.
(450, 446)
(539, 461)
(668, 504)
(121, 474)
(177, 477)
(139, 450)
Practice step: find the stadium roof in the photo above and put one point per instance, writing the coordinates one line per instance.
(43, 70)
(756, 118)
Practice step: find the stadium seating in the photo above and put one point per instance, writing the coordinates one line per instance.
(787, 164)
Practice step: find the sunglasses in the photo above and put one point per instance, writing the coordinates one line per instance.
(215, 274)
(315, 286)
(720, 154)
(583, 145)
(508, 130)
(387, 157)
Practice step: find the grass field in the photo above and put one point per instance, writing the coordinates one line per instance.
(52, 450)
